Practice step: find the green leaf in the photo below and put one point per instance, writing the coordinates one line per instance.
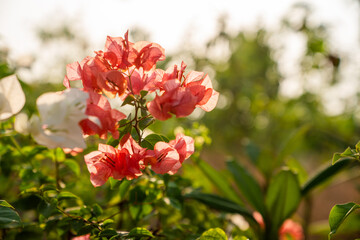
(240, 238)
(138, 212)
(114, 183)
(66, 195)
(219, 203)
(59, 154)
(324, 175)
(219, 181)
(297, 168)
(143, 93)
(97, 210)
(214, 234)
(137, 194)
(357, 147)
(150, 140)
(124, 187)
(247, 185)
(108, 233)
(283, 197)
(144, 123)
(140, 232)
(338, 214)
(73, 165)
(347, 154)
(47, 187)
(128, 100)
(48, 209)
(9, 218)
(4, 203)
(107, 223)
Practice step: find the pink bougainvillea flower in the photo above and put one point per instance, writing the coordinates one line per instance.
(291, 229)
(180, 95)
(73, 152)
(163, 159)
(106, 118)
(117, 50)
(180, 102)
(135, 150)
(201, 87)
(259, 219)
(82, 237)
(96, 75)
(184, 145)
(145, 55)
(113, 162)
(141, 81)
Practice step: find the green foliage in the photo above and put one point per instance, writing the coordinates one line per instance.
(9, 218)
(282, 198)
(247, 185)
(213, 234)
(338, 214)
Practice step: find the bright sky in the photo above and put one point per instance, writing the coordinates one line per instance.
(172, 23)
(168, 22)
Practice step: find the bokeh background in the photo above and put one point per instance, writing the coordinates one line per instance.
(288, 73)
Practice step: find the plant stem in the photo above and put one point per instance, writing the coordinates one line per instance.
(307, 215)
(57, 176)
(79, 218)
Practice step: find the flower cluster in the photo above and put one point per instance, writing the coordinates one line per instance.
(129, 158)
(127, 71)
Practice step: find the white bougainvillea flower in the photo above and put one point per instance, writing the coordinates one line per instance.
(12, 97)
(58, 124)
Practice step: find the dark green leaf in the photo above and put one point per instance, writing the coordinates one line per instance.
(108, 233)
(137, 194)
(219, 203)
(219, 181)
(150, 140)
(97, 210)
(140, 232)
(247, 185)
(128, 100)
(85, 230)
(143, 93)
(213, 234)
(283, 197)
(338, 214)
(48, 209)
(144, 123)
(324, 175)
(9, 218)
